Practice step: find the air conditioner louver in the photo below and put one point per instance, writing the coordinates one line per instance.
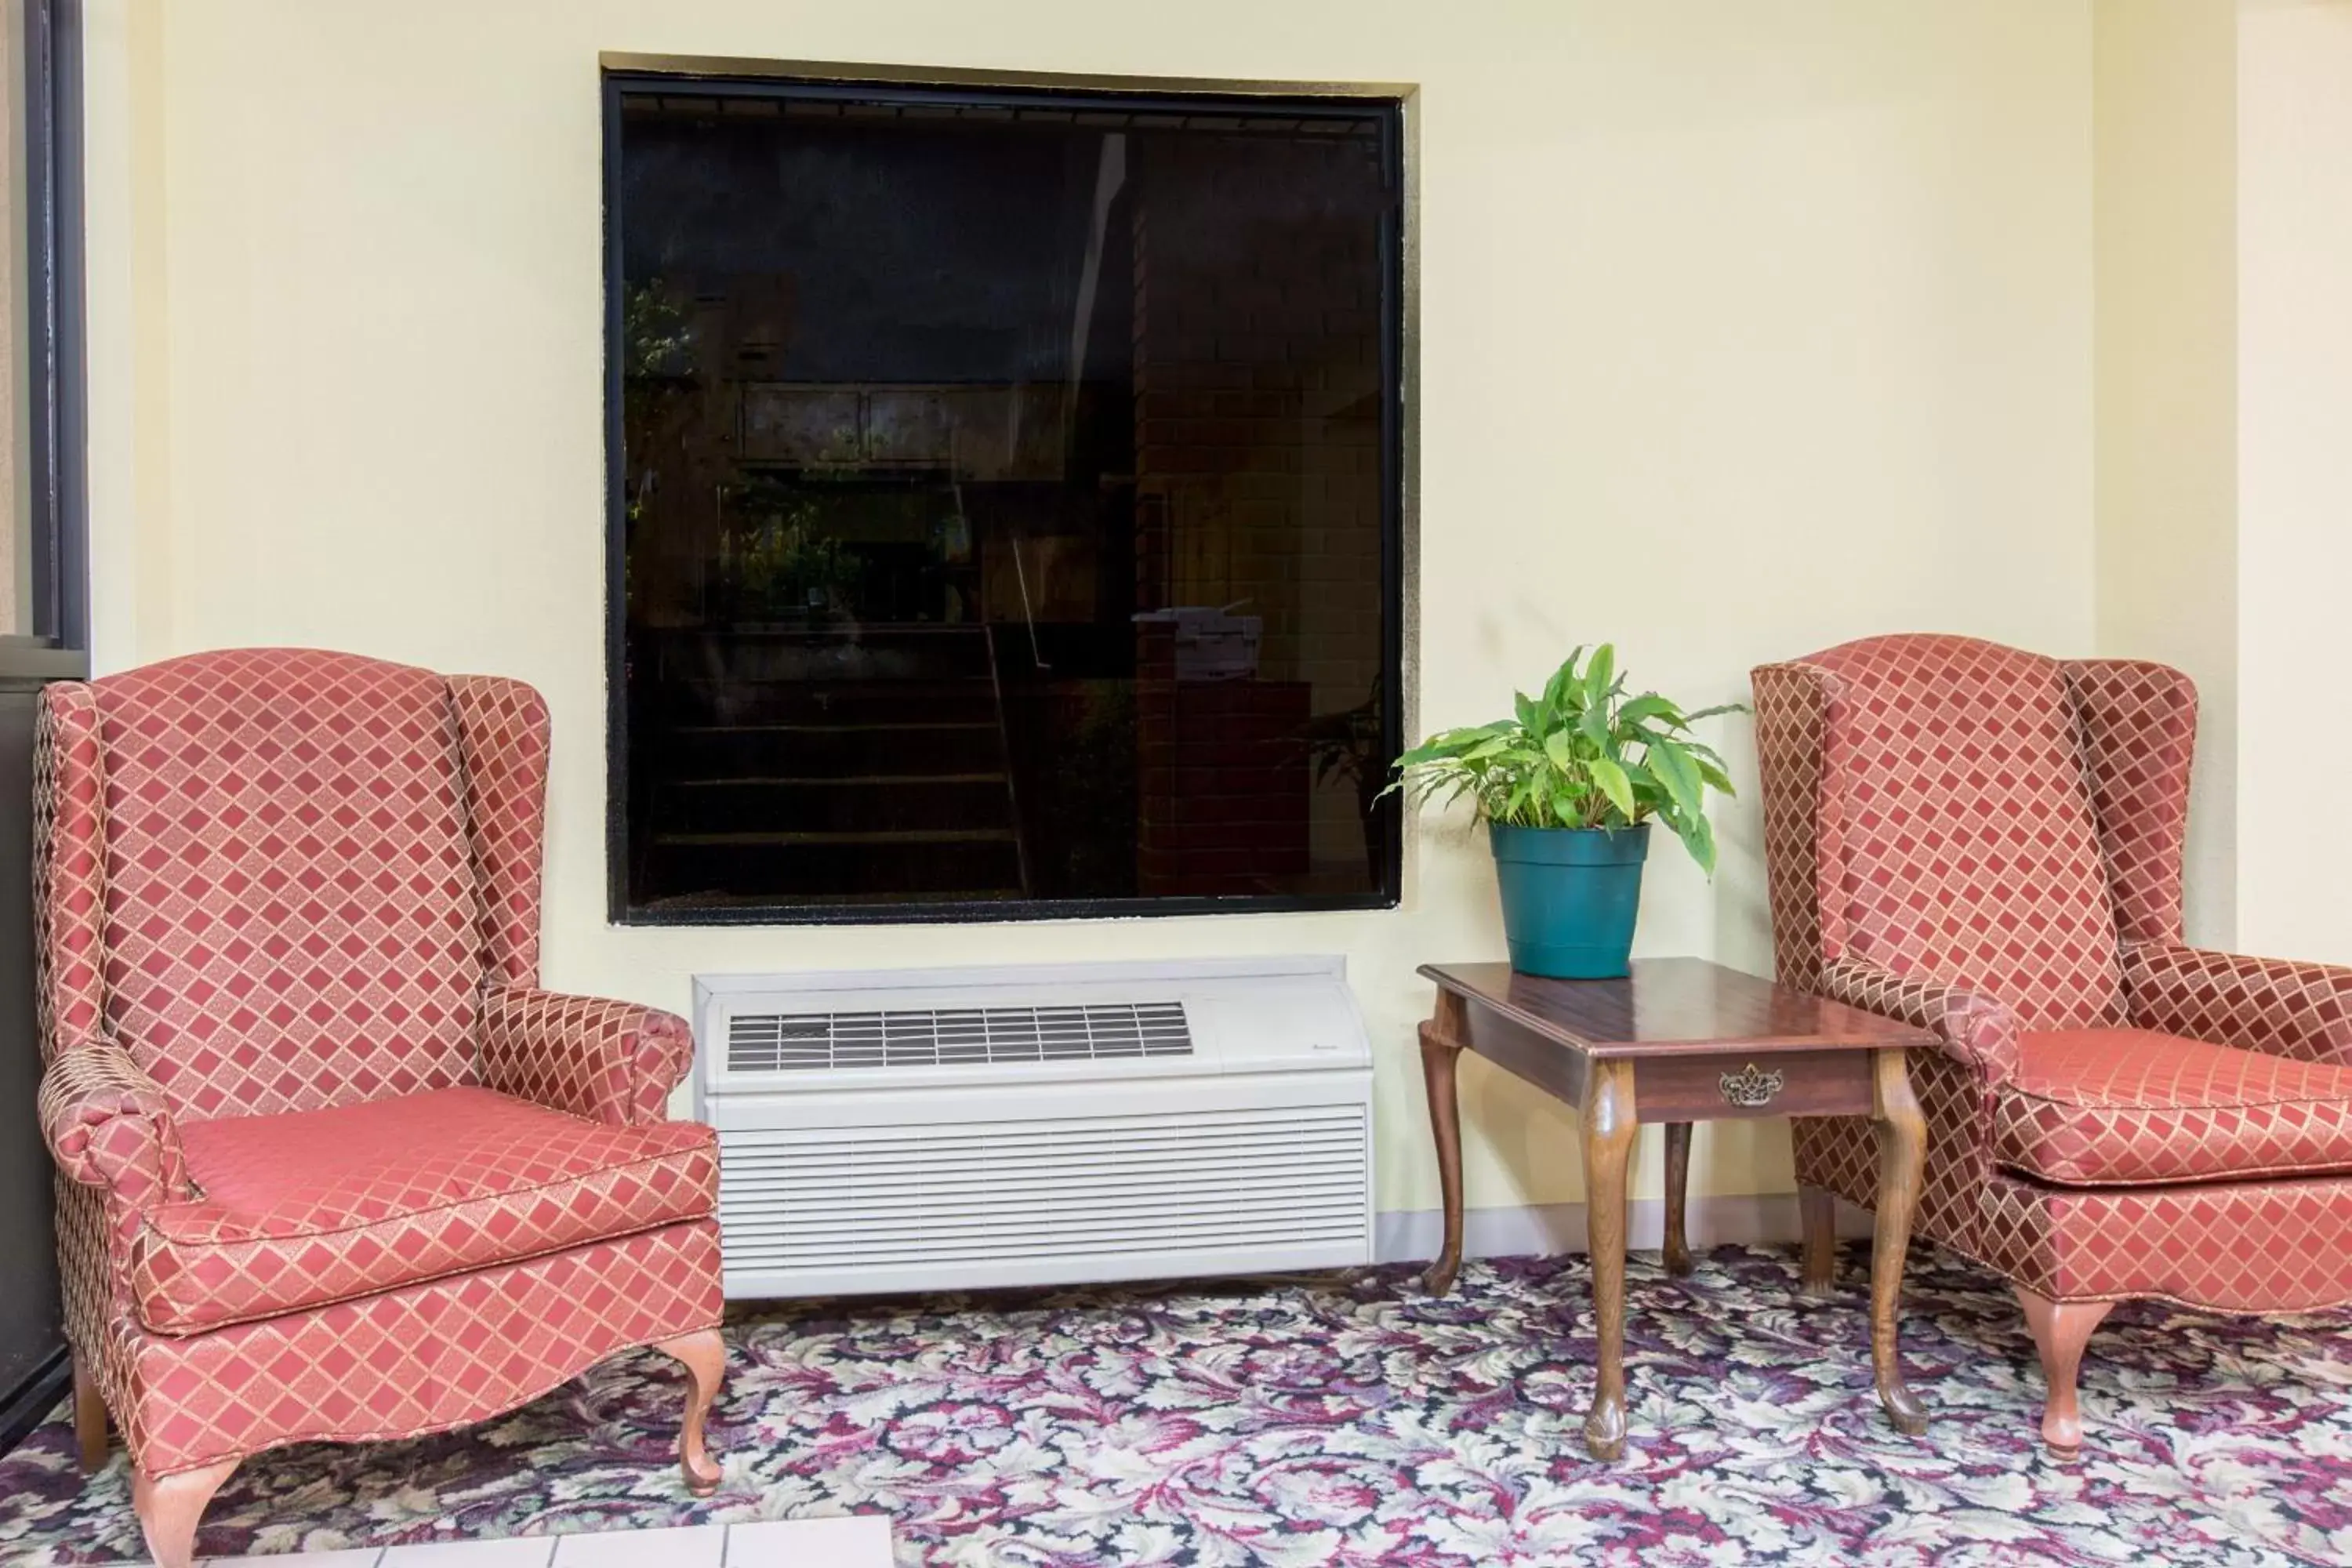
(1014, 1193)
(920, 1037)
(885, 1132)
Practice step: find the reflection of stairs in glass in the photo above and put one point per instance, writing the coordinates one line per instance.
(840, 767)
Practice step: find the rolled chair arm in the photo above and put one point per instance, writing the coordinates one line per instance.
(108, 1124)
(605, 1060)
(1979, 1030)
(2274, 1005)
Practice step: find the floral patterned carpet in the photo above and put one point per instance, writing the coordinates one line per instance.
(1358, 1421)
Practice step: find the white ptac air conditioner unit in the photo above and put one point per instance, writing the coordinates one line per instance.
(923, 1130)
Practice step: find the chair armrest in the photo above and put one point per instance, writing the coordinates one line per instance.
(108, 1125)
(1979, 1030)
(2274, 1005)
(605, 1060)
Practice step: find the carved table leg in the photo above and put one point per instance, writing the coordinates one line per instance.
(1817, 1219)
(2060, 1331)
(1676, 1254)
(90, 1419)
(169, 1508)
(1902, 1155)
(704, 1355)
(1609, 1122)
(1441, 1054)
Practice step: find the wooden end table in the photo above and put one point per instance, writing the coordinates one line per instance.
(1681, 1040)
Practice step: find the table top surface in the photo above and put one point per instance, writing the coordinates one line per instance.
(1674, 1007)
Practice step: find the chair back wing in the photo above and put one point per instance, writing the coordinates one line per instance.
(69, 868)
(502, 744)
(1952, 831)
(287, 896)
(2139, 739)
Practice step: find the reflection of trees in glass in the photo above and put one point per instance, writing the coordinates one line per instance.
(792, 545)
(657, 366)
(776, 561)
(657, 371)
(657, 342)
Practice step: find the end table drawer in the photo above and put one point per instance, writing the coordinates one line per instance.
(1729, 1087)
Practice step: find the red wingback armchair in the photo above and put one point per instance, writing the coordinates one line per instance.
(331, 1165)
(1987, 844)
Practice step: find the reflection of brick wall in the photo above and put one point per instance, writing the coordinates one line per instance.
(1257, 421)
(1222, 798)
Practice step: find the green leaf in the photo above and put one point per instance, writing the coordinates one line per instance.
(1613, 784)
(1646, 707)
(1598, 674)
(1562, 754)
(1698, 837)
(1555, 688)
(1719, 709)
(1701, 749)
(1677, 772)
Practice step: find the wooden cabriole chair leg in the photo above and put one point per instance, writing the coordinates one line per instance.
(704, 1356)
(90, 1419)
(1817, 1221)
(169, 1508)
(2060, 1330)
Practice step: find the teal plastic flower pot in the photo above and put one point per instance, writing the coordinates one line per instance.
(1570, 896)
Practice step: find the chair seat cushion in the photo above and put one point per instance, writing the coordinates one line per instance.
(2097, 1108)
(298, 1210)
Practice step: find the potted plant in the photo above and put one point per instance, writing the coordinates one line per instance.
(1568, 788)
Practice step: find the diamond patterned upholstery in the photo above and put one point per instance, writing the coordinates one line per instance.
(2230, 1246)
(1988, 844)
(290, 910)
(1964, 847)
(312, 1207)
(608, 1061)
(108, 1124)
(2139, 731)
(330, 1166)
(405, 1363)
(503, 743)
(2093, 1107)
(2302, 1010)
(1954, 1089)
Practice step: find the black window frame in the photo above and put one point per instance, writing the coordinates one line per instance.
(56, 469)
(36, 1364)
(1387, 107)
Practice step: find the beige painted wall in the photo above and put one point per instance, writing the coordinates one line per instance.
(2222, 173)
(1748, 327)
(2165, 146)
(2294, 498)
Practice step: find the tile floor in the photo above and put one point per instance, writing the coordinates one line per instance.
(861, 1541)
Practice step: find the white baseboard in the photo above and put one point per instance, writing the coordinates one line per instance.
(1410, 1235)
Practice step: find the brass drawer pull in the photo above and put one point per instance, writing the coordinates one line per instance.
(1751, 1087)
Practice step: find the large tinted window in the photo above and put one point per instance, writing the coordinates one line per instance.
(1005, 501)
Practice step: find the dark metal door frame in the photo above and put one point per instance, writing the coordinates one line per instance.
(33, 1365)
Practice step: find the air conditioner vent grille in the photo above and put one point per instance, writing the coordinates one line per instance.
(961, 1036)
(1184, 1188)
